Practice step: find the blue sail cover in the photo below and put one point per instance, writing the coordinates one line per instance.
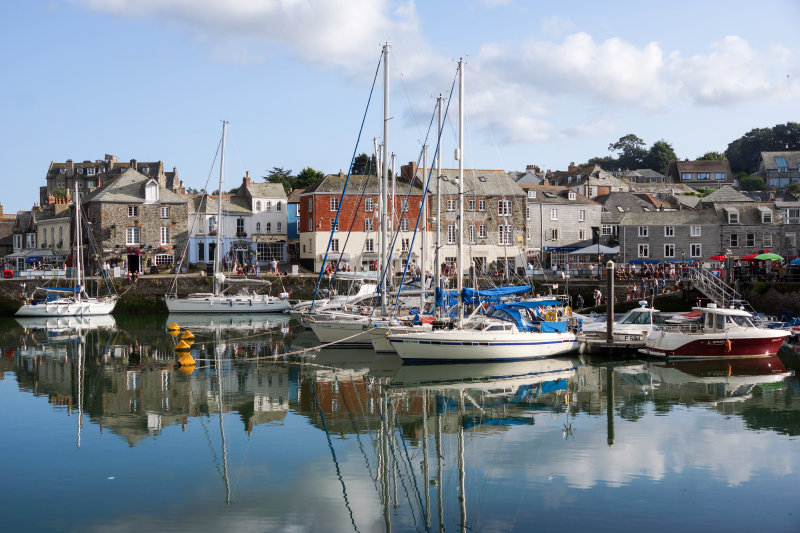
(517, 312)
(473, 297)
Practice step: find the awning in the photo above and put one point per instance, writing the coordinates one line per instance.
(643, 262)
(336, 256)
(595, 249)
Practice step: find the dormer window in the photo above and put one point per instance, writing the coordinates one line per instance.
(62, 170)
(151, 192)
(780, 162)
(145, 170)
(90, 171)
(80, 170)
(531, 194)
(733, 216)
(571, 195)
(766, 216)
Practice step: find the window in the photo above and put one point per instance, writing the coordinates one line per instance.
(80, 170)
(403, 205)
(164, 235)
(258, 206)
(605, 229)
(369, 224)
(239, 225)
(451, 234)
(695, 250)
(750, 240)
(131, 235)
(267, 251)
(581, 234)
(310, 225)
(310, 204)
(258, 227)
(17, 241)
(369, 246)
(278, 228)
(553, 234)
(669, 251)
(404, 224)
(720, 175)
(792, 215)
(504, 233)
(90, 184)
(278, 206)
(643, 231)
(767, 241)
(791, 240)
(528, 233)
(164, 259)
(686, 176)
(482, 231)
(334, 203)
(733, 217)
(405, 244)
(669, 231)
(504, 208)
(644, 250)
(471, 205)
(531, 194)
(451, 204)
(554, 214)
(780, 162)
(269, 227)
(702, 175)
(133, 211)
(267, 206)
(334, 224)
(694, 231)
(571, 195)
(481, 205)
(90, 171)
(60, 184)
(201, 252)
(766, 217)
(164, 211)
(581, 215)
(334, 245)
(734, 240)
(473, 234)
(30, 239)
(527, 212)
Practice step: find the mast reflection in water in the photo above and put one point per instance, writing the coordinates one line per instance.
(265, 432)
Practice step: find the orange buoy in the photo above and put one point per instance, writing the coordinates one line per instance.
(186, 360)
(173, 327)
(187, 335)
(183, 345)
(186, 369)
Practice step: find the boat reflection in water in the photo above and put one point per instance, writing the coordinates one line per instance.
(719, 379)
(226, 321)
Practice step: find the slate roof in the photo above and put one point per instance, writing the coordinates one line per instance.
(693, 217)
(554, 194)
(618, 204)
(677, 168)
(749, 214)
(688, 200)
(477, 182)
(662, 188)
(129, 188)
(231, 205)
(265, 190)
(768, 159)
(334, 183)
(725, 194)
(294, 196)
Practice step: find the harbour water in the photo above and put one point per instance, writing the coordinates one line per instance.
(102, 430)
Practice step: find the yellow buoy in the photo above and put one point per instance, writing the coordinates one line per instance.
(187, 335)
(183, 345)
(186, 360)
(173, 327)
(187, 369)
(174, 332)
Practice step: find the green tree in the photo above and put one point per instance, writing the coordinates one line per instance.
(752, 183)
(364, 165)
(60, 193)
(712, 156)
(280, 175)
(794, 189)
(630, 150)
(605, 162)
(744, 152)
(659, 156)
(306, 178)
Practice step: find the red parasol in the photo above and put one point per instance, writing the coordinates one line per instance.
(717, 258)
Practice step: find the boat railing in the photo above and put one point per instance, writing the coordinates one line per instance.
(689, 327)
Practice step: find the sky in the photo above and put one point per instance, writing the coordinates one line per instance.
(546, 83)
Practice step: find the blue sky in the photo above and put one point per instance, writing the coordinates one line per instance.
(547, 83)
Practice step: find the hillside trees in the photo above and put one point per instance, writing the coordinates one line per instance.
(744, 152)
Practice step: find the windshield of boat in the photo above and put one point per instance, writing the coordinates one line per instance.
(635, 316)
(739, 321)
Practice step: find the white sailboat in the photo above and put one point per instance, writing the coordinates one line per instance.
(219, 301)
(74, 301)
(524, 330)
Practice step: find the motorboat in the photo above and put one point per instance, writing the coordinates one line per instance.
(721, 332)
(630, 330)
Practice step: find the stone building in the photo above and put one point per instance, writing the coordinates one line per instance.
(135, 219)
(670, 235)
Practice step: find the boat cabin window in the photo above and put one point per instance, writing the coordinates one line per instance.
(740, 321)
(720, 322)
(635, 317)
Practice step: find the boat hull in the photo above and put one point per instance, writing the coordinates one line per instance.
(686, 346)
(453, 346)
(228, 304)
(68, 307)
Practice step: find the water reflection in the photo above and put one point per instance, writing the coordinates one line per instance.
(371, 444)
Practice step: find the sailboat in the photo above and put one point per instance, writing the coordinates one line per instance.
(219, 301)
(522, 330)
(68, 301)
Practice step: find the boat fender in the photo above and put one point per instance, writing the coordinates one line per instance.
(728, 346)
(568, 311)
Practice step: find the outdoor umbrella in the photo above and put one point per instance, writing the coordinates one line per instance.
(717, 258)
(795, 261)
(768, 257)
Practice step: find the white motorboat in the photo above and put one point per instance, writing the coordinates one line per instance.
(720, 333)
(630, 330)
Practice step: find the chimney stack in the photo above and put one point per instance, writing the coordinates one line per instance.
(134, 164)
(246, 179)
(70, 168)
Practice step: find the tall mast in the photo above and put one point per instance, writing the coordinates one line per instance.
(218, 246)
(423, 255)
(460, 260)
(387, 269)
(436, 259)
(78, 261)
